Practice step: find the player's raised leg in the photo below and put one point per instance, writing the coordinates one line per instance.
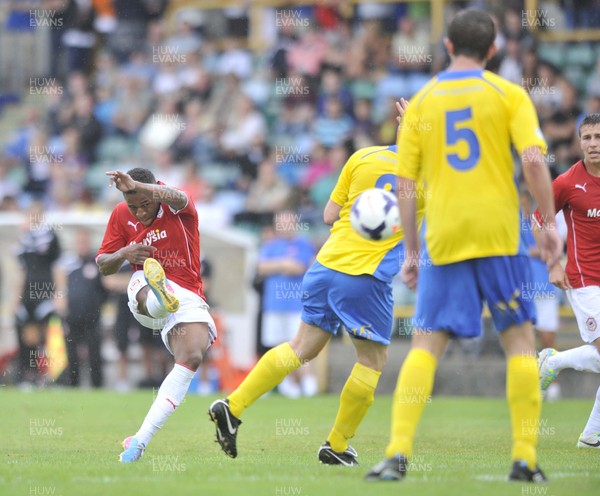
(162, 300)
(188, 341)
(267, 373)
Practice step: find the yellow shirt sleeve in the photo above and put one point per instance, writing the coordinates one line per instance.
(525, 129)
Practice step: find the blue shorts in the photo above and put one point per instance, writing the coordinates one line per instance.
(364, 304)
(450, 297)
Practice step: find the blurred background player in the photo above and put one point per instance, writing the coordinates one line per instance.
(577, 194)
(282, 263)
(161, 221)
(546, 296)
(80, 305)
(461, 149)
(38, 252)
(350, 284)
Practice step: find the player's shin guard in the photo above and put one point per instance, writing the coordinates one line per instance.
(413, 391)
(169, 397)
(356, 398)
(524, 401)
(270, 370)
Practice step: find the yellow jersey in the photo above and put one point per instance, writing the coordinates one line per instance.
(456, 137)
(345, 250)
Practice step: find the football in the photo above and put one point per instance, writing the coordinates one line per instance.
(375, 214)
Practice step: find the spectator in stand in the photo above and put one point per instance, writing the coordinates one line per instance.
(364, 127)
(320, 166)
(511, 66)
(335, 127)
(68, 170)
(39, 163)
(79, 36)
(332, 87)
(246, 128)
(133, 104)
(235, 59)
(267, 194)
(133, 17)
(306, 55)
(90, 129)
(410, 50)
(322, 188)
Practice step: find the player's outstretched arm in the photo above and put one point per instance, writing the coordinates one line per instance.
(537, 177)
(176, 199)
(135, 254)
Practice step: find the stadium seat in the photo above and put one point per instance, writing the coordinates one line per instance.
(577, 75)
(553, 53)
(114, 149)
(581, 54)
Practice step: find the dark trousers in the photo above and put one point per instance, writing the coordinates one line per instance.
(84, 332)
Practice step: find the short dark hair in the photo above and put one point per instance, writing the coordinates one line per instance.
(142, 175)
(472, 32)
(589, 120)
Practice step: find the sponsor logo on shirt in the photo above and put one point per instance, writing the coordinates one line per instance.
(154, 236)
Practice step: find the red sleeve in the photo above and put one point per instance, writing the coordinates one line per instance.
(114, 239)
(558, 189)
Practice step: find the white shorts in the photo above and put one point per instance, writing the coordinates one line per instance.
(192, 308)
(279, 327)
(586, 307)
(547, 314)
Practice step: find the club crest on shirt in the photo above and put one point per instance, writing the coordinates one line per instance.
(590, 323)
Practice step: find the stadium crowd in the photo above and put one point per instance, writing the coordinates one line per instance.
(247, 132)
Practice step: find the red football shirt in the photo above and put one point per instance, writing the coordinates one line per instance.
(577, 194)
(174, 234)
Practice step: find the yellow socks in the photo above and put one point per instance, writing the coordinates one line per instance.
(413, 390)
(270, 370)
(524, 402)
(355, 400)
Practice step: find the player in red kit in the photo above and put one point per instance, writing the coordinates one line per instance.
(577, 194)
(156, 230)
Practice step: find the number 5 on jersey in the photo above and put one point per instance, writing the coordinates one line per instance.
(457, 131)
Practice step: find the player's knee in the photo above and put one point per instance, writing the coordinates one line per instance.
(191, 359)
(374, 359)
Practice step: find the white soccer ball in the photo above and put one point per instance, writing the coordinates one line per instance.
(375, 214)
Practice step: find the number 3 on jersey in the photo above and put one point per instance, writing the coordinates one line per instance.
(454, 135)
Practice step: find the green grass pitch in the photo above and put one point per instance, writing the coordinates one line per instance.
(63, 443)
